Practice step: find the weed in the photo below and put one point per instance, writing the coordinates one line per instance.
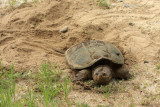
(150, 99)
(112, 87)
(66, 87)
(50, 84)
(102, 106)
(45, 88)
(36, 1)
(31, 100)
(107, 94)
(132, 103)
(12, 2)
(82, 105)
(136, 67)
(25, 1)
(103, 3)
(1, 66)
(158, 66)
(7, 88)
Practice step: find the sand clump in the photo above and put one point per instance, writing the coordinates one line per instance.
(29, 35)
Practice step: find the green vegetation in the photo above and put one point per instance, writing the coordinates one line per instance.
(158, 66)
(12, 2)
(102, 106)
(82, 105)
(104, 3)
(35, 0)
(111, 88)
(7, 87)
(44, 88)
(25, 1)
(132, 103)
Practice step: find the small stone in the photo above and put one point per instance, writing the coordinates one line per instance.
(121, 0)
(131, 24)
(1, 14)
(129, 5)
(146, 62)
(126, 5)
(64, 29)
(32, 26)
(13, 46)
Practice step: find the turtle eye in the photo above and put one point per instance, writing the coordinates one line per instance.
(117, 54)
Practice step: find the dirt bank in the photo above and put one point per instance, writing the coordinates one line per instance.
(29, 34)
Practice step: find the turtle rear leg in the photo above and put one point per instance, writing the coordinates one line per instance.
(122, 73)
(83, 75)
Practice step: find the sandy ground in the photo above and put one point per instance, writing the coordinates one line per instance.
(29, 35)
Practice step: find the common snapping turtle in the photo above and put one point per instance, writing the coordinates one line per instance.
(97, 60)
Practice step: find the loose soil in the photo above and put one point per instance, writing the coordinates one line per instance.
(29, 35)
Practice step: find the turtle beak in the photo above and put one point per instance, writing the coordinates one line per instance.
(102, 78)
(102, 74)
(106, 78)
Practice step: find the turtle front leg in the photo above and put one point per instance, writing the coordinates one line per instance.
(83, 75)
(122, 73)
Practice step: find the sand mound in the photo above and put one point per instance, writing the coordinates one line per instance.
(30, 32)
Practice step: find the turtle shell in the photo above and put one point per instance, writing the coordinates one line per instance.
(85, 54)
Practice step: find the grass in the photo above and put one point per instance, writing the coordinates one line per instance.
(12, 3)
(35, 0)
(50, 86)
(111, 88)
(86, 105)
(25, 1)
(44, 88)
(158, 66)
(104, 3)
(132, 103)
(82, 105)
(103, 106)
(7, 88)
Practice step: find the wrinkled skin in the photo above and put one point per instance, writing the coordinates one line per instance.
(102, 74)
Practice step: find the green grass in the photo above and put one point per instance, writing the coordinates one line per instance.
(7, 88)
(12, 3)
(112, 88)
(82, 105)
(44, 88)
(132, 103)
(103, 3)
(35, 0)
(103, 106)
(158, 66)
(25, 1)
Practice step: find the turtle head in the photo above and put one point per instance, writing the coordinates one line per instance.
(102, 74)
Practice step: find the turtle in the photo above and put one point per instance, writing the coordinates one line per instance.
(97, 60)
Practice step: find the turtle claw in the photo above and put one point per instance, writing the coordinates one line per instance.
(128, 76)
(125, 74)
(75, 79)
(122, 73)
(82, 75)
